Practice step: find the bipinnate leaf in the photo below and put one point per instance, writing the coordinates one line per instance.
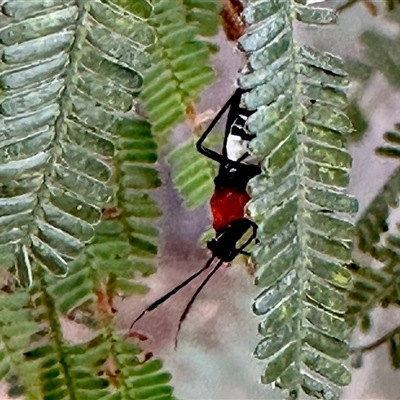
(373, 222)
(178, 65)
(192, 174)
(68, 69)
(299, 201)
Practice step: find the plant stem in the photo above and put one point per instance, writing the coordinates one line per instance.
(346, 5)
(377, 343)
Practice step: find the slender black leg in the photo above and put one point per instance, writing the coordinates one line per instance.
(164, 298)
(208, 152)
(189, 305)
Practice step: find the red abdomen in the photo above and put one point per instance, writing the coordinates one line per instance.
(227, 205)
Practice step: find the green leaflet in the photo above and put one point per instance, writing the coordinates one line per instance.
(16, 328)
(305, 216)
(392, 146)
(68, 69)
(56, 369)
(382, 55)
(204, 15)
(178, 65)
(395, 350)
(370, 287)
(358, 119)
(141, 380)
(373, 220)
(371, 228)
(192, 174)
(136, 179)
(126, 241)
(140, 8)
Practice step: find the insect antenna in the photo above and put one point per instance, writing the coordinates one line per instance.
(192, 300)
(166, 296)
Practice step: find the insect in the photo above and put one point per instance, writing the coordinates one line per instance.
(228, 201)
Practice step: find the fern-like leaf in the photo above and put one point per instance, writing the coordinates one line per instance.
(204, 15)
(59, 370)
(16, 329)
(374, 220)
(192, 174)
(299, 202)
(141, 380)
(68, 67)
(80, 371)
(65, 371)
(391, 250)
(370, 287)
(77, 68)
(178, 67)
(126, 240)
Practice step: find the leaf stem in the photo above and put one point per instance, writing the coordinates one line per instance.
(346, 5)
(377, 343)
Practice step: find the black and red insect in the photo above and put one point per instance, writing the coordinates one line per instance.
(229, 199)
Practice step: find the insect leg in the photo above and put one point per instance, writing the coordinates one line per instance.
(164, 298)
(220, 158)
(189, 305)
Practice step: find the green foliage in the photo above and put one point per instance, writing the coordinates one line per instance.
(299, 201)
(140, 8)
(70, 71)
(136, 179)
(124, 243)
(178, 66)
(126, 239)
(395, 350)
(373, 220)
(204, 15)
(141, 380)
(370, 287)
(16, 328)
(207, 235)
(392, 146)
(103, 367)
(192, 174)
(65, 74)
(358, 120)
(374, 287)
(65, 371)
(383, 54)
(391, 339)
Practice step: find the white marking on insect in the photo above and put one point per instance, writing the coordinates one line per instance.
(236, 146)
